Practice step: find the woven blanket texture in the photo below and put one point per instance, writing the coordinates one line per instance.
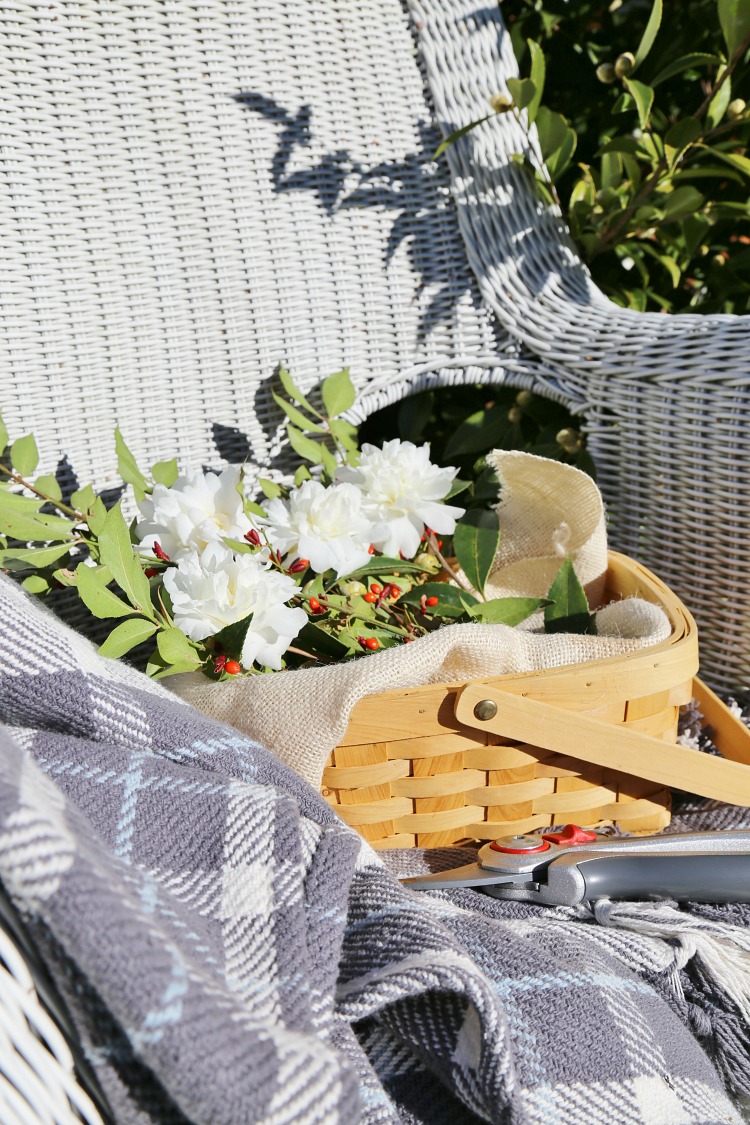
(548, 511)
(230, 952)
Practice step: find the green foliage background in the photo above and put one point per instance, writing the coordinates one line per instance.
(683, 243)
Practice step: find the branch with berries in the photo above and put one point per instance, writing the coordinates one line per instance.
(359, 552)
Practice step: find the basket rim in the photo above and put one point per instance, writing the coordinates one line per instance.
(680, 649)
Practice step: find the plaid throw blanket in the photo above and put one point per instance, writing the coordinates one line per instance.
(229, 952)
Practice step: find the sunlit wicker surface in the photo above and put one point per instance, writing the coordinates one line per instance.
(666, 398)
(38, 1082)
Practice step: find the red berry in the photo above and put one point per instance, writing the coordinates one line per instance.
(233, 667)
(371, 550)
(151, 572)
(370, 597)
(395, 591)
(431, 601)
(376, 588)
(298, 566)
(372, 643)
(315, 605)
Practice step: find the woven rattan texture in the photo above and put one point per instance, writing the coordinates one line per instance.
(37, 1078)
(192, 194)
(666, 399)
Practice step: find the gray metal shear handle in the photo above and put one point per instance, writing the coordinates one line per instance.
(702, 877)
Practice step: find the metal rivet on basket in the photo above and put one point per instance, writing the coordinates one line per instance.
(485, 709)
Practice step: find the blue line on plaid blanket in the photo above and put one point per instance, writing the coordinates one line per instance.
(230, 952)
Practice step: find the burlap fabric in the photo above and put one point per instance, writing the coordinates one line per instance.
(547, 511)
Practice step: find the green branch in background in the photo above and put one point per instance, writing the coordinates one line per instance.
(645, 153)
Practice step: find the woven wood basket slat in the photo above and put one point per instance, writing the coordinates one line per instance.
(408, 773)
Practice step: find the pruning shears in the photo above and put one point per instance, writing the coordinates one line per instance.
(576, 865)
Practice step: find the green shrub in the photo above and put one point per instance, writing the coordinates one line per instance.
(642, 119)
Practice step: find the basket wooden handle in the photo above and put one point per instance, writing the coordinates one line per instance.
(605, 744)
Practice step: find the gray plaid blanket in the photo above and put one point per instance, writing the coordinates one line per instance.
(229, 952)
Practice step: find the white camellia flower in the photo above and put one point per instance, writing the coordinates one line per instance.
(401, 493)
(218, 588)
(324, 525)
(198, 509)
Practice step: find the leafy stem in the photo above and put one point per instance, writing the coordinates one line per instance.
(18, 479)
(456, 575)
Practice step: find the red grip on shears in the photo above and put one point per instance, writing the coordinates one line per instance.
(570, 834)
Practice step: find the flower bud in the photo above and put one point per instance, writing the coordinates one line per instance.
(736, 109)
(605, 72)
(501, 103)
(515, 415)
(352, 589)
(569, 439)
(524, 399)
(426, 561)
(624, 64)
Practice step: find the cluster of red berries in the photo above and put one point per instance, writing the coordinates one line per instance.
(377, 593)
(371, 643)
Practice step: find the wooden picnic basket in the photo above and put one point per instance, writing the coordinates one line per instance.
(589, 743)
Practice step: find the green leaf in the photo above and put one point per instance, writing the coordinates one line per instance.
(383, 565)
(36, 584)
(92, 583)
(679, 137)
(537, 75)
(158, 671)
(475, 543)
(556, 139)
(522, 90)
(253, 509)
(457, 487)
(329, 462)
(734, 17)
(319, 642)
(506, 611)
(48, 486)
(18, 502)
(720, 101)
(643, 96)
(270, 489)
(481, 431)
(681, 202)
(126, 636)
(128, 468)
(43, 529)
(302, 474)
(24, 455)
(293, 390)
(175, 648)
(307, 448)
(97, 516)
(741, 163)
(165, 472)
(339, 393)
(458, 133)
(649, 35)
(83, 498)
(32, 558)
(569, 611)
(296, 416)
(686, 62)
(344, 432)
(451, 602)
(125, 567)
(3, 435)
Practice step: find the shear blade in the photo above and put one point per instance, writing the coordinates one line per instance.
(472, 875)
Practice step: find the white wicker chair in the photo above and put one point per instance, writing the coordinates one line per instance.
(192, 193)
